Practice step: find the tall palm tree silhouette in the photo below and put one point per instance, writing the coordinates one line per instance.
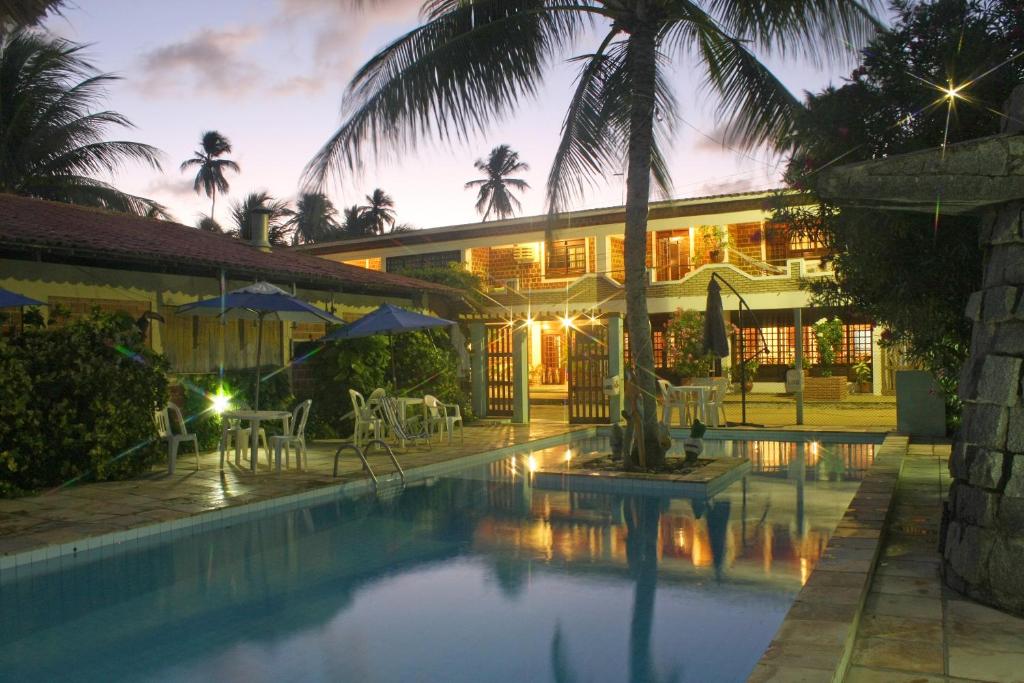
(211, 168)
(471, 63)
(314, 219)
(379, 212)
(495, 195)
(278, 225)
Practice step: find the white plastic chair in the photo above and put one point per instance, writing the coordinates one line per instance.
(672, 400)
(715, 407)
(409, 430)
(366, 422)
(296, 436)
(445, 416)
(165, 426)
(233, 429)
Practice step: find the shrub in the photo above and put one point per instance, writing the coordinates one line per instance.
(685, 337)
(78, 401)
(240, 385)
(425, 363)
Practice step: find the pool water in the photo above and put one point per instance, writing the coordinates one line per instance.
(479, 576)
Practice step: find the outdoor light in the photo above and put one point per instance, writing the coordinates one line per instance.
(567, 322)
(568, 454)
(531, 464)
(220, 402)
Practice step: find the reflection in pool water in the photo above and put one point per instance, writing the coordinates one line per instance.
(475, 577)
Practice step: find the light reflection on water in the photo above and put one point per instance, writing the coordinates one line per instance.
(471, 578)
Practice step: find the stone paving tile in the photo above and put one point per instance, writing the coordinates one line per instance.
(914, 629)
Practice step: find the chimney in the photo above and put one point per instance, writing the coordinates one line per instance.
(259, 220)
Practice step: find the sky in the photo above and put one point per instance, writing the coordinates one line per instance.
(270, 75)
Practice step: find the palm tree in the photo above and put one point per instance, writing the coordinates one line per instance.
(51, 136)
(378, 213)
(159, 212)
(241, 214)
(314, 219)
(470, 63)
(495, 193)
(17, 13)
(208, 224)
(211, 168)
(353, 223)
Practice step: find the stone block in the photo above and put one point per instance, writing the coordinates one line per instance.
(1005, 578)
(1015, 429)
(967, 549)
(973, 505)
(1008, 337)
(960, 459)
(1004, 226)
(986, 469)
(1000, 380)
(1000, 303)
(970, 375)
(1012, 259)
(1014, 486)
(973, 311)
(985, 425)
(1011, 515)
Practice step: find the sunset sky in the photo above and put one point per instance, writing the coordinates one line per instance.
(270, 74)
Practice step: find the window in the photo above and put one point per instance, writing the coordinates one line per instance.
(567, 258)
(673, 254)
(437, 259)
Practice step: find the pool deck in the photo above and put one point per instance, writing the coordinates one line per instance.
(874, 610)
(31, 526)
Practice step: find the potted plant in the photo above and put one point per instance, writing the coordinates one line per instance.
(749, 371)
(693, 446)
(712, 238)
(862, 371)
(828, 335)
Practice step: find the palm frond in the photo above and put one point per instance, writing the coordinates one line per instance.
(467, 66)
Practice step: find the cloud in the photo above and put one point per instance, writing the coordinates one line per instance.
(211, 61)
(729, 187)
(167, 185)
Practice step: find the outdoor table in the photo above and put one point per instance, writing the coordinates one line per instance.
(254, 417)
(699, 392)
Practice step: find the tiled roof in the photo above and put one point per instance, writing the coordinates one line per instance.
(80, 233)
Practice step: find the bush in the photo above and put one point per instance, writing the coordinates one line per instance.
(685, 337)
(240, 385)
(78, 401)
(425, 363)
(828, 335)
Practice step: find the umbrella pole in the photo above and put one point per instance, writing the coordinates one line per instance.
(391, 348)
(743, 368)
(259, 352)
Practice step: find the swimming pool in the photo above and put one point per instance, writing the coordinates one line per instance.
(475, 576)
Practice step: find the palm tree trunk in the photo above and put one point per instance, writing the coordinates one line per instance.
(213, 205)
(642, 71)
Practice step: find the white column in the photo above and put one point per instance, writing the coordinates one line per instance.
(604, 254)
(876, 361)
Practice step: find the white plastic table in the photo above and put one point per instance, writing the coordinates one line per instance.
(254, 417)
(700, 393)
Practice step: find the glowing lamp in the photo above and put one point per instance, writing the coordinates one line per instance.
(531, 464)
(220, 402)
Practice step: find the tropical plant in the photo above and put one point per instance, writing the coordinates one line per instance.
(862, 370)
(278, 222)
(208, 224)
(745, 371)
(51, 134)
(495, 195)
(684, 335)
(314, 219)
(469, 64)
(378, 215)
(453, 275)
(353, 223)
(159, 212)
(210, 167)
(88, 390)
(828, 335)
(15, 13)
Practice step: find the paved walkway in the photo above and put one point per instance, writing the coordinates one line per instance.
(67, 515)
(914, 629)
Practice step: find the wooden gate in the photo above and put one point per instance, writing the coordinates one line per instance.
(499, 371)
(588, 367)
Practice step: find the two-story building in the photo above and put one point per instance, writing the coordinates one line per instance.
(559, 274)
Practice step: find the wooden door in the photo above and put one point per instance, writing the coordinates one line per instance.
(588, 367)
(499, 371)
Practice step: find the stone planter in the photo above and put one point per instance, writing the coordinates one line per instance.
(825, 388)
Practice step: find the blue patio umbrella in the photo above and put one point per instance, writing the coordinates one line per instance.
(260, 301)
(387, 319)
(9, 299)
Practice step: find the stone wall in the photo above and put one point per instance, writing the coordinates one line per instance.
(984, 536)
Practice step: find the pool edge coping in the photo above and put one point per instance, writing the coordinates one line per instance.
(41, 560)
(865, 514)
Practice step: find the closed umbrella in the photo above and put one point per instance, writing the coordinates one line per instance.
(387, 319)
(716, 340)
(260, 301)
